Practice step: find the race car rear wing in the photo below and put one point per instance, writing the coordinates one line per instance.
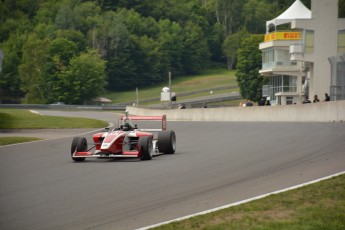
(146, 118)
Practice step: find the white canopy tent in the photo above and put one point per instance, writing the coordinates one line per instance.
(296, 11)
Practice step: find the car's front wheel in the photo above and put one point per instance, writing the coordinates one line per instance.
(79, 144)
(146, 147)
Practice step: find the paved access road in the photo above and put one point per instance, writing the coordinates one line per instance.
(216, 163)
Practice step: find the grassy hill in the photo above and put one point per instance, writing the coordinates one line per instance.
(24, 119)
(208, 79)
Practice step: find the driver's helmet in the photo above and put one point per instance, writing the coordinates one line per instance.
(126, 126)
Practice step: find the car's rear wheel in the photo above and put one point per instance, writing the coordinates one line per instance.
(146, 147)
(79, 144)
(167, 142)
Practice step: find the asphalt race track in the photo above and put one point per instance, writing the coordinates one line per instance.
(216, 163)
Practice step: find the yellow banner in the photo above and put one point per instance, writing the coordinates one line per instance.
(282, 36)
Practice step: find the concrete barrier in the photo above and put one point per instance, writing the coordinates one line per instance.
(333, 111)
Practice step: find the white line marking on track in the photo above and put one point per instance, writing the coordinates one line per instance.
(36, 112)
(241, 202)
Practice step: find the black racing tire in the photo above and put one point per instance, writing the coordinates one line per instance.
(167, 142)
(79, 144)
(146, 147)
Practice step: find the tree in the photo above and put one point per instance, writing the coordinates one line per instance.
(9, 77)
(195, 48)
(85, 16)
(231, 46)
(141, 41)
(249, 63)
(60, 53)
(169, 47)
(150, 61)
(229, 14)
(83, 80)
(341, 9)
(122, 69)
(32, 69)
(19, 25)
(256, 13)
(138, 25)
(75, 36)
(61, 50)
(46, 13)
(64, 16)
(74, 14)
(215, 39)
(282, 5)
(110, 35)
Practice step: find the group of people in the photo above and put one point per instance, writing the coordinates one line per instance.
(266, 101)
(263, 101)
(316, 99)
(248, 103)
(183, 106)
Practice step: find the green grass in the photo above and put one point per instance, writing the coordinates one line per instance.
(24, 119)
(317, 206)
(206, 79)
(15, 140)
(179, 98)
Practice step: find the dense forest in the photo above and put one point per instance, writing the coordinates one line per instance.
(73, 50)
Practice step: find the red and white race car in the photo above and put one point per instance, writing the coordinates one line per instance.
(127, 141)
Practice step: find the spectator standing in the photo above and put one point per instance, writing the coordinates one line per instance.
(249, 103)
(316, 99)
(262, 101)
(306, 100)
(327, 98)
(268, 103)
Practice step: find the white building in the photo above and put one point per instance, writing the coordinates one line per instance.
(304, 53)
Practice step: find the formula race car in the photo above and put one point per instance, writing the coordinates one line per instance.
(127, 141)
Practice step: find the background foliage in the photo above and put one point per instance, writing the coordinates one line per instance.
(53, 49)
(249, 64)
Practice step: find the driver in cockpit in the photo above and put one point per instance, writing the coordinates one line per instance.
(126, 127)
